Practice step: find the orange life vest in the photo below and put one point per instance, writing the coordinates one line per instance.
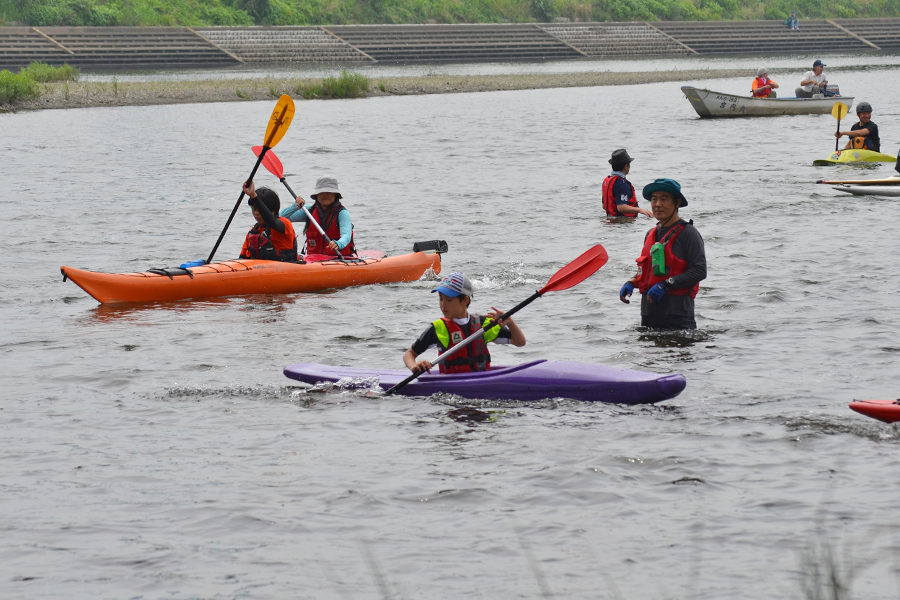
(674, 265)
(609, 200)
(258, 244)
(761, 81)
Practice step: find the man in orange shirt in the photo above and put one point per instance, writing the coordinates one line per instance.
(272, 238)
(762, 86)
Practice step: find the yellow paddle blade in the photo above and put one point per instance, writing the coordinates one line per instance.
(280, 121)
(839, 110)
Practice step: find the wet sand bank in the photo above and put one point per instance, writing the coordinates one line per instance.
(88, 94)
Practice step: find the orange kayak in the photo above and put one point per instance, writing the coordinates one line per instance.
(246, 277)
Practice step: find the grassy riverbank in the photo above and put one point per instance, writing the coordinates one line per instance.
(325, 12)
(79, 94)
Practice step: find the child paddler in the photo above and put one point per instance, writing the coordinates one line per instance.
(328, 211)
(272, 238)
(455, 293)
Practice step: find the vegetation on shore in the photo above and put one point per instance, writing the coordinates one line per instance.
(25, 85)
(330, 12)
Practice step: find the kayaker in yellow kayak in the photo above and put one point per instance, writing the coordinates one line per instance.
(328, 211)
(272, 238)
(672, 263)
(864, 134)
(455, 293)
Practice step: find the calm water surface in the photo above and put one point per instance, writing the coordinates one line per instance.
(158, 452)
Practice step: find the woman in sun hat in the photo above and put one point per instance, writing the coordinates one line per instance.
(328, 211)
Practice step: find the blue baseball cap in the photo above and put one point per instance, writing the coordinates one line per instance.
(819, 63)
(665, 185)
(455, 284)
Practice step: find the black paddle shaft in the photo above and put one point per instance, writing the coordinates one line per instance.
(237, 205)
(468, 340)
(324, 235)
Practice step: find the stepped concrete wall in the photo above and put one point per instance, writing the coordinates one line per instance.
(283, 44)
(158, 47)
(617, 39)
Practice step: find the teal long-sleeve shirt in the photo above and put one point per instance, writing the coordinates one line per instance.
(298, 215)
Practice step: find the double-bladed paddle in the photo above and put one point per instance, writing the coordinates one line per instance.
(273, 165)
(571, 275)
(278, 126)
(839, 111)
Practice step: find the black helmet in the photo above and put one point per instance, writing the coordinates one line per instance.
(863, 107)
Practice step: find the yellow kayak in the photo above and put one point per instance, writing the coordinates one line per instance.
(853, 155)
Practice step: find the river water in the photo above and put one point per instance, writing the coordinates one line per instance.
(158, 451)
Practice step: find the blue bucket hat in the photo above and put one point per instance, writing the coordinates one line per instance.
(665, 185)
(455, 284)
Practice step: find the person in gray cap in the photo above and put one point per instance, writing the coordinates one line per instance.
(762, 86)
(863, 135)
(617, 192)
(813, 82)
(672, 263)
(455, 295)
(328, 211)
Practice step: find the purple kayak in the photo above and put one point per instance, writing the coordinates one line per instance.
(530, 381)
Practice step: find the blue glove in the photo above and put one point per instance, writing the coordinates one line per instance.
(626, 290)
(657, 292)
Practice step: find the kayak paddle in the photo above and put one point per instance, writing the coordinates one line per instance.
(569, 276)
(278, 126)
(838, 111)
(273, 165)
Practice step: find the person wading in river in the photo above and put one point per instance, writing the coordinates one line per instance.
(863, 135)
(672, 263)
(328, 211)
(617, 192)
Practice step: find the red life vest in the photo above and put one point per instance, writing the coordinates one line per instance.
(674, 265)
(315, 243)
(259, 245)
(471, 357)
(761, 81)
(609, 200)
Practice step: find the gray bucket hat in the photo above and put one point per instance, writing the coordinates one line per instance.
(762, 71)
(326, 184)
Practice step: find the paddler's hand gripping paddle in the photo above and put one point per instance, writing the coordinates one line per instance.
(278, 126)
(571, 275)
(838, 111)
(273, 165)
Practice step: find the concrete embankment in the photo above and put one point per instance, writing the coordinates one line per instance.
(161, 47)
(88, 94)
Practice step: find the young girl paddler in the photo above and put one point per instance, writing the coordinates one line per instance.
(455, 293)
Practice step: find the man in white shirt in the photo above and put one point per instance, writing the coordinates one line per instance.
(814, 81)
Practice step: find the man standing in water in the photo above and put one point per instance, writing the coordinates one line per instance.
(617, 192)
(672, 263)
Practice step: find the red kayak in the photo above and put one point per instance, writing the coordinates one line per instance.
(883, 410)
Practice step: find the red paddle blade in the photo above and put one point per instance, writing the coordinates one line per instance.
(270, 162)
(578, 270)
